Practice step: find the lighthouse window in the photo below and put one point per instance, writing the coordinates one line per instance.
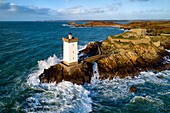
(73, 57)
(73, 44)
(73, 51)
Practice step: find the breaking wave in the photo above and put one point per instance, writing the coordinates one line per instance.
(100, 95)
(64, 97)
(33, 80)
(81, 47)
(115, 94)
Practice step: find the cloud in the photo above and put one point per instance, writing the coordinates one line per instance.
(152, 11)
(77, 10)
(114, 6)
(10, 7)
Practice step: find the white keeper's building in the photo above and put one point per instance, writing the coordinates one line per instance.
(70, 50)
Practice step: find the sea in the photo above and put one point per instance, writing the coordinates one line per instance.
(27, 48)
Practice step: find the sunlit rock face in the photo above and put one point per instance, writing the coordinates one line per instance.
(114, 58)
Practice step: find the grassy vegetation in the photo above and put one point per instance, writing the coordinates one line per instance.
(122, 37)
(154, 39)
(122, 43)
(132, 38)
(154, 28)
(127, 33)
(108, 41)
(117, 37)
(144, 44)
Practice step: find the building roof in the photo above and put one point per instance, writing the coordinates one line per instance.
(70, 40)
(70, 33)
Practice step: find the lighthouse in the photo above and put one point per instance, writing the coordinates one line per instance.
(70, 51)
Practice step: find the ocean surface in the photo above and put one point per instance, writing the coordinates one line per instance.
(27, 48)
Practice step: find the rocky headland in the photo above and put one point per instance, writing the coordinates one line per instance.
(121, 55)
(152, 27)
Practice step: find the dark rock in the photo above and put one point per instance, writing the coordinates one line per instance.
(78, 75)
(93, 48)
(160, 77)
(132, 89)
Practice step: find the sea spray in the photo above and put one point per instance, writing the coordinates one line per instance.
(115, 92)
(45, 64)
(167, 50)
(65, 97)
(81, 47)
(148, 104)
(95, 77)
(33, 79)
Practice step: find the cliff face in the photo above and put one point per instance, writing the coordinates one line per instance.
(114, 58)
(127, 62)
(79, 74)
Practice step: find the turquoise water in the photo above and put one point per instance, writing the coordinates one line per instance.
(26, 48)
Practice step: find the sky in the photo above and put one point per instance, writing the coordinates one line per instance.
(32, 10)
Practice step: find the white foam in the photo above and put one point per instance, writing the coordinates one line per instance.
(64, 24)
(81, 47)
(167, 50)
(63, 98)
(117, 90)
(67, 97)
(95, 77)
(148, 99)
(33, 80)
(67, 25)
(166, 58)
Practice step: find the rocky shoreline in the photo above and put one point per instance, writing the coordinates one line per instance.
(115, 57)
(152, 27)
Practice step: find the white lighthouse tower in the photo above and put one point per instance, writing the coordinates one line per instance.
(70, 51)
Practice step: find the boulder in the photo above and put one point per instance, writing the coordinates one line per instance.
(132, 89)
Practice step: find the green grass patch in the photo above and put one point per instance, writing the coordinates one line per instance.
(155, 39)
(122, 43)
(144, 44)
(121, 37)
(108, 41)
(117, 37)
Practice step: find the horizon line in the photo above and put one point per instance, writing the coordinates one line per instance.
(53, 20)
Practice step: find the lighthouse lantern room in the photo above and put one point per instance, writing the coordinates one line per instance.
(70, 51)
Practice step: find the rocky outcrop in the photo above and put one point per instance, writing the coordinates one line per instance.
(96, 24)
(113, 58)
(79, 74)
(93, 48)
(164, 40)
(132, 89)
(153, 28)
(130, 61)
